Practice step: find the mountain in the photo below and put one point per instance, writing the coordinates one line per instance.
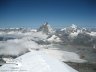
(53, 38)
(36, 62)
(45, 28)
(76, 35)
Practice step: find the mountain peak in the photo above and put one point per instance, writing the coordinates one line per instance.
(46, 28)
(73, 26)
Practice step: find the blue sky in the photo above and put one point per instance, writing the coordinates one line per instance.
(58, 13)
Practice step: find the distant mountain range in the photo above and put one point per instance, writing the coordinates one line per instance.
(68, 35)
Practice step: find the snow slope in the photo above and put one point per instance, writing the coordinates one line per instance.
(54, 38)
(35, 61)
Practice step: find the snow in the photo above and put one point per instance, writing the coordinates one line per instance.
(92, 34)
(46, 59)
(27, 42)
(33, 30)
(50, 28)
(74, 34)
(13, 32)
(74, 26)
(46, 28)
(54, 38)
(63, 29)
(35, 61)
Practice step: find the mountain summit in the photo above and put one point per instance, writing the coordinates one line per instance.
(73, 26)
(46, 28)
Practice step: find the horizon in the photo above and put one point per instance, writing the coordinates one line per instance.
(48, 24)
(58, 13)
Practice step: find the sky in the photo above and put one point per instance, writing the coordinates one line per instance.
(58, 13)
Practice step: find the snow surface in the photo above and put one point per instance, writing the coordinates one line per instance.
(74, 26)
(54, 38)
(35, 61)
(75, 34)
(92, 34)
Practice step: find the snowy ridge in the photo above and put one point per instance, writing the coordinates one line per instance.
(38, 62)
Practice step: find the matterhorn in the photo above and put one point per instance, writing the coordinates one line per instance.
(45, 28)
